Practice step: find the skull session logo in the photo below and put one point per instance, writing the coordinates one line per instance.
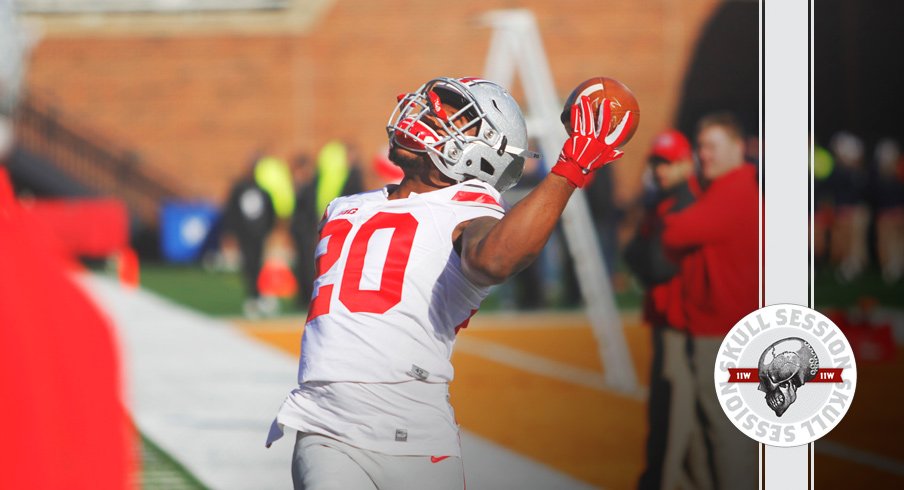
(785, 375)
(781, 374)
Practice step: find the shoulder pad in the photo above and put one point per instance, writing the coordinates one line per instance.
(476, 192)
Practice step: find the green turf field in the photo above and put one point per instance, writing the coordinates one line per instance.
(212, 292)
(215, 293)
(830, 291)
(221, 293)
(159, 471)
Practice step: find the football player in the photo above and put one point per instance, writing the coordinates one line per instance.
(402, 269)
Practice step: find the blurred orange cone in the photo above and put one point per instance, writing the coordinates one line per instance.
(128, 268)
(276, 279)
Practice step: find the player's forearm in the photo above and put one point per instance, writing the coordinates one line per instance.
(493, 252)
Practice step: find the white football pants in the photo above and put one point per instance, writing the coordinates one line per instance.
(323, 463)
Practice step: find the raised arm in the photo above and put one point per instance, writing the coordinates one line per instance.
(492, 250)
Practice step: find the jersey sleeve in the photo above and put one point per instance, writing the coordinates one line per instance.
(324, 217)
(330, 211)
(475, 199)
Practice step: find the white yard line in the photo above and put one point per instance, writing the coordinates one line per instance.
(206, 393)
(541, 366)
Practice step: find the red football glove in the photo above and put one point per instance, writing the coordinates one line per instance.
(591, 145)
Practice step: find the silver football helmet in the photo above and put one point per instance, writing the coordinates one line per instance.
(493, 153)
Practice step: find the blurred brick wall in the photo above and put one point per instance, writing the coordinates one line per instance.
(198, 105)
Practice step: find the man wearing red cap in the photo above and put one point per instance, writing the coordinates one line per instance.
(671, 403)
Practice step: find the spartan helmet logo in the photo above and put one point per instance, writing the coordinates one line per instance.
(784, 367)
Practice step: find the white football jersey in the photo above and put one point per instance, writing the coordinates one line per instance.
(390, 293)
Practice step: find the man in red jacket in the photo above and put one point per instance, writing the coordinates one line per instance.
(673, 440)
(717, 242)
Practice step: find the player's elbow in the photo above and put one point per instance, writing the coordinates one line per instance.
(485, 273)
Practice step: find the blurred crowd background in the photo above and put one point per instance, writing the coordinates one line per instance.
(167, 106)
(192, 146)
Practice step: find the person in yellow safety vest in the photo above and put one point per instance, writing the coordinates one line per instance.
(335, 173)
(272, 174)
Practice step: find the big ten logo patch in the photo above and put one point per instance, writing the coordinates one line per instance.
(785, 375)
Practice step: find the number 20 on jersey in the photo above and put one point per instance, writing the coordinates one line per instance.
(357, 300)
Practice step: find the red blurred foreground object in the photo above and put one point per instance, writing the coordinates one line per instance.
(62, 421)
(388, 171)
(84, 227)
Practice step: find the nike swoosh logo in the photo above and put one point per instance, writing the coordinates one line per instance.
(437, 459)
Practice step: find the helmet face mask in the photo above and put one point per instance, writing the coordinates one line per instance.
(484, 138)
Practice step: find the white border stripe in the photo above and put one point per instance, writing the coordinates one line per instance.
(786, 202)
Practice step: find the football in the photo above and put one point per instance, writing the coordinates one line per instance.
(621, 99)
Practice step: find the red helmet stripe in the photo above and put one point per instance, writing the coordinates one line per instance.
(470, 80)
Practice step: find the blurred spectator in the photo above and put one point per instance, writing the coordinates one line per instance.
(606, 214)
(303, 227)
(823, 203)
(528, 293)
(752, 149)
(354, 182)
(337, 173)
(274, 176)
(716, 240)
(570, 295)
(249, 217)
(848, 249)
(276, 279)
(671, 406)
(889, 200)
